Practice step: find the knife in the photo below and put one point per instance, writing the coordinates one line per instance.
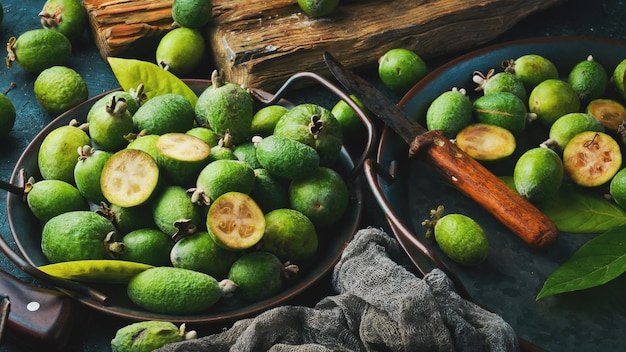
(36, 318)
(458, 168)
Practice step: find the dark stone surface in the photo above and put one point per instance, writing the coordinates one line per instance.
(94, 330)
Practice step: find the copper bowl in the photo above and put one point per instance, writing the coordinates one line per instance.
(112, 299)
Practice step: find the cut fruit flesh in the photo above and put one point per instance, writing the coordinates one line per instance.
(129, 178)
(236, 221)
(609, 112)
(592, 158)
(486, 142)
(180, 146)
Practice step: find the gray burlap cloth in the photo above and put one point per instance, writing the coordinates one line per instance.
(379, 306)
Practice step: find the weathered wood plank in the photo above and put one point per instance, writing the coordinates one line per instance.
(261, 43)
(261, 46)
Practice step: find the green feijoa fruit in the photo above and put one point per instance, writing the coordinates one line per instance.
(502, 109)
(314, 126)
(49, 198)
(450, 112)
(609, 112)
(258, 275)
(79, 235)
(67, 17)
(7, 115)
(617, 78)
(350, 122)
(147, 336)
(220, 152)
(171, 207)
(538, 174)
(181, 50)
(270, 192)
(531, 69)
(462, 239)
(400, 69)
(322, 196)
(165, 113)
(146, 144)
(592, 158)
(57, 154)
(617, 188)
(27, 50)
(500, 82)
(110, 123)
(222, 176)
(235, 221)
(287, 158)
(59, 88)
(486, 143)
(192, 13)
(199, 252)
(148, 246)
(552, 99)
(128, 219)
(87, 173)
(170, 290)
(225, 107)
(318, 8)
(206, 134)
(289, 235)
(569, 125)
(246, 152)
(589, 79)
(129, 178)
(132, 102)
(181, 157)
(265, 119)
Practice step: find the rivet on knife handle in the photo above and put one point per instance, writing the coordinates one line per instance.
(467, 174)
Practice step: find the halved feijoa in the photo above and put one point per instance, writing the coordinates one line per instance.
(486, 142)
(592, 158)
(609, 112)
(129, 178)
(235, 221)
(181, 156)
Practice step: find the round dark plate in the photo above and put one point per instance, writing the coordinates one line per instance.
(26, 232)
(513, 274)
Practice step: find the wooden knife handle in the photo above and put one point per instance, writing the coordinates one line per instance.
(38, 317)
(480, 184)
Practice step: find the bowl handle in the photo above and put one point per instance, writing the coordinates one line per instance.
(268, 98)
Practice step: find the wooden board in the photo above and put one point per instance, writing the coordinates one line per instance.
(260, 43)
(128, 27)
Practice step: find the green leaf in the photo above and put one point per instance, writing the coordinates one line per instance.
(130, 73)
(597, 262)
(577, 211)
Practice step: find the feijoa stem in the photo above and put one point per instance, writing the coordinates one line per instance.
(116, 106)
(10, 52)
(184, 227)
(435, 215)
(290, 271)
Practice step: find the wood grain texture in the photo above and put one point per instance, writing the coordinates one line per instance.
(260, 43)
(123, 27)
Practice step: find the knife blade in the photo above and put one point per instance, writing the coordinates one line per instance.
(458, 168)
